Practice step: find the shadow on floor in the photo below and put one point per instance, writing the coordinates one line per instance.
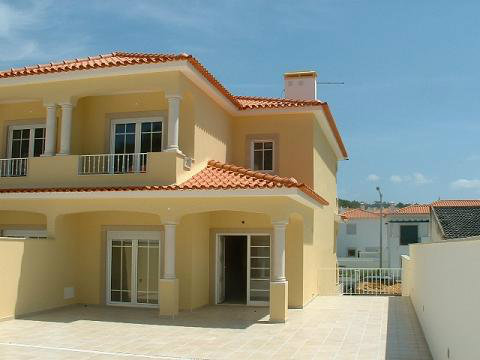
(405, 339)
(219, 316)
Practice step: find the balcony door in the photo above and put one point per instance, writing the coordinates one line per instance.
(133, 268)
(26, 141)
(131, 139)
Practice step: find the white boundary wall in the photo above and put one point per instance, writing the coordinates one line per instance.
(442, 280)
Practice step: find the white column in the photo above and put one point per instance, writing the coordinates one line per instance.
(173, 122)
(66, 133)
(278, 271)
(169, 257)
(51, 130)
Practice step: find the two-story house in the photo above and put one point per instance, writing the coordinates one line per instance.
(139, 180)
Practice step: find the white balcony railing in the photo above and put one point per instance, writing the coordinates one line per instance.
(13, 167)
(372, 281)
(112, 164)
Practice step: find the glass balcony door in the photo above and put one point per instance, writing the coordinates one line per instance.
(133, 268)
(258, 286)
(130, 139)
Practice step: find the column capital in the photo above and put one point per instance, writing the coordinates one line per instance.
(173, 97)
(67, 105)
(50, 105)
(280, 223)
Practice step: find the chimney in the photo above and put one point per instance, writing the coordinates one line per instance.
(301, 85)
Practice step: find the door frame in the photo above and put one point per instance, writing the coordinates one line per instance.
(134, 236)
(248, 235)
(136, 120)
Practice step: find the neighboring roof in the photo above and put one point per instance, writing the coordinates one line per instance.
(359, 214)
(415, 209)
(472, 202)
(215, 176)
(119, 59)
(458, 221)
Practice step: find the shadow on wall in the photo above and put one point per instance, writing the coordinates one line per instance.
(404, 337)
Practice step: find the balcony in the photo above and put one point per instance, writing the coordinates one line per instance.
(154, 168)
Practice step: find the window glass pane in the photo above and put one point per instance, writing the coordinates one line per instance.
(116, 270)
(24, 148)
(408, 234)
(260, 251)
(156, 142)
(268, 145)
(130, 143)
(16, 134)
(119, 128)
(15, 148)
(257, 160)
(146, 127)
(130, 128)
(119, 144)
(257, 146)
(39, 133)
(268, 160)
(25, 133)
(157, 126)
(146, 143)
(38, 147)
(260, 240)
(126, 267)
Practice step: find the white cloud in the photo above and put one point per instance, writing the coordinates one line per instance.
(373, 177)
(396, 179)
(466, 184)
(421, 179)
(417, 178)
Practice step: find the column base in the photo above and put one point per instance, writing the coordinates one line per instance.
(168, 290)
(279, 301)
(174, 150)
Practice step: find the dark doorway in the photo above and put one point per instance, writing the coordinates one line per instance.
(236, 269)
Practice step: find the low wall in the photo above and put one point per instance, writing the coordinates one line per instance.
(442, 280)
(33, 275)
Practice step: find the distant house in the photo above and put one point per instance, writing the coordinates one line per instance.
(408, 225)
(358, 240)
(455, 220)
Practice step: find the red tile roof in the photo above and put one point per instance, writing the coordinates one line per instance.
(215, 176)
(119, 59)
(359, 214)
(455, 203)
(415, 209)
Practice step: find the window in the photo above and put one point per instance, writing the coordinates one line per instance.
(26, 141)
(351, 229)
(263, 155)
(140, 135)
(352, 252)
(408, 234)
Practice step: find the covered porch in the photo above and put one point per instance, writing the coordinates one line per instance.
(154, 249)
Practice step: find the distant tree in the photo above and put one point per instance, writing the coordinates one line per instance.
(351, 204)
(402, 205)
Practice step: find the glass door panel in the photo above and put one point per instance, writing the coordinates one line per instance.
(147, 272)
(259, 270)
(121, 271)
(123, 146)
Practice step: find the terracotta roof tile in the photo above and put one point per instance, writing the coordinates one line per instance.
(119, 59)
(471, 202)
(359, 214)
(415, 209)
(216, 176)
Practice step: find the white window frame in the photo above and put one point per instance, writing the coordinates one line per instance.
(134, 236)
(31, 142)
(138, 130)
(248, 235)
(252, 154)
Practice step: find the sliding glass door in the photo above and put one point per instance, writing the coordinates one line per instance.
(133, 265)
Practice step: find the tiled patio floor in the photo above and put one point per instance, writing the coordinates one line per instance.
(328, 328)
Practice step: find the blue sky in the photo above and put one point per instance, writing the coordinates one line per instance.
(408, 111)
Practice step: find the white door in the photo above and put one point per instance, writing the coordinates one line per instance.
(133, 268)
(220, 270)
(258, 268)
